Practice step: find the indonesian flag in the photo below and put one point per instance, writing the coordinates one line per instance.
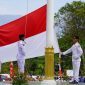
(34, 29)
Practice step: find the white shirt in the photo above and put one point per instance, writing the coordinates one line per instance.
(76, 52)
(21, 49)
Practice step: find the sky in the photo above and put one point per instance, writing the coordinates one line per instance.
(20, 7)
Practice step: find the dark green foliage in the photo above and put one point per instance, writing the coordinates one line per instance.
(5, 68)
(19, 79)
(35, 66)
(71, 19)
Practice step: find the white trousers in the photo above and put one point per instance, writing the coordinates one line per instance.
(76, 68)
(21, 65)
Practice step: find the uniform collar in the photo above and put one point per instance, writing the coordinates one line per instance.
(76, 43)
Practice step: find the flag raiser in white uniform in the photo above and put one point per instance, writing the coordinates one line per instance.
(21, 56)
(21, 49)
(76, 59)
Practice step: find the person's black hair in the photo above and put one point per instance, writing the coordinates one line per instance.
(21, 36)
(76, 37)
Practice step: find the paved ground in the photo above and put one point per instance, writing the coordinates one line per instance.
(39, 83)
(58, 83)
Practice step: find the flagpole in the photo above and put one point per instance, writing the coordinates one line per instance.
(49, 51)
(50, 23)
(26, 19)
(49, 54)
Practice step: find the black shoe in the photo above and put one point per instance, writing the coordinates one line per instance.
(73, 82)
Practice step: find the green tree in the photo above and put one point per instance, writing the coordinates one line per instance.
(71, 18)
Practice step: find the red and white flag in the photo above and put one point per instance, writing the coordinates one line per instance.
(34, 29)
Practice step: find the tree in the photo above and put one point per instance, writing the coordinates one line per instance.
(71, 18)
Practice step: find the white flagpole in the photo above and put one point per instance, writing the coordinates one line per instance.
(49, 52)
(50, 23)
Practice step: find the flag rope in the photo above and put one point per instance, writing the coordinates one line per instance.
(26, 17)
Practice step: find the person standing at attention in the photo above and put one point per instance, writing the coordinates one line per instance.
(21, 53)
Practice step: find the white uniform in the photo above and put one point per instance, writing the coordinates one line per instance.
(21, 56)
(76, 59)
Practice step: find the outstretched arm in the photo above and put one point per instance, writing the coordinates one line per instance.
(67, 51)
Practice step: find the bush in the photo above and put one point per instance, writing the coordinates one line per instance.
(20, 79)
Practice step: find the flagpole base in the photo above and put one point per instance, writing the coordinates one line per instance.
(49, 63)
(48, 82)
